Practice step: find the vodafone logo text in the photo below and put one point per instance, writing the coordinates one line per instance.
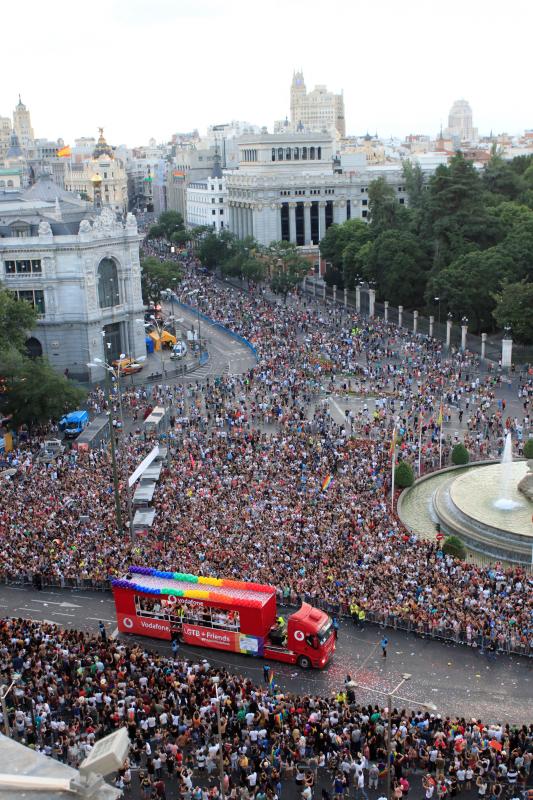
(154, 626)
(127, 622)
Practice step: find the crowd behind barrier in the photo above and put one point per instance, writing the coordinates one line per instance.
(243, 496)
(71, 688)
(220, 327)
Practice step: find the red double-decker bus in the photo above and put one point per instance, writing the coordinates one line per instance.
(224, 614)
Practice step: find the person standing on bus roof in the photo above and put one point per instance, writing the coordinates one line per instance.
(266, 673)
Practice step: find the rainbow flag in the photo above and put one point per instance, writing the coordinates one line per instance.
(271, 680)
(326, 482)
(439, 421)
(65, 152)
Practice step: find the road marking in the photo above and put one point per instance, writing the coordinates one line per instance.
(3, 606)
(101, 619)
(62, 614)
(33, 610)
(114, 634)
(52, 622)
(55, 603)
(337, 406)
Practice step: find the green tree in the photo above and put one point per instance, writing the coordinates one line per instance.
(404, 475)
(455, 214)
(286, 266)
(36, 394)
(453, 546)
(528, 449)
(214, 249)
(180, 238)
(514, 306)
(460, 455)
(169, 223)
(157, 276)
(467, 285)
(500, 178)
(415, 184)
(397, 263)
(17, 319)
(354, 233)
(383, 207)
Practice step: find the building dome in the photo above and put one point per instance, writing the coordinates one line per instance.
(102, 148)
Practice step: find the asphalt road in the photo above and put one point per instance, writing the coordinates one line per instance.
(456, 679)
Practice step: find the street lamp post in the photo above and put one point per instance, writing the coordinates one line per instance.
(437, 300)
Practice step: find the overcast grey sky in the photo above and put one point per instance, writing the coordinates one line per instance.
(146, 68)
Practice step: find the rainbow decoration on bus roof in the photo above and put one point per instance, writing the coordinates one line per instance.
(201, 586)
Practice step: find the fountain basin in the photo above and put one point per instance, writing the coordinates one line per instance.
(465, 502)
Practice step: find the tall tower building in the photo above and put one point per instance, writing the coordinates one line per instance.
(460, 122)
(22, 125)
(298, 95)
(318, 110)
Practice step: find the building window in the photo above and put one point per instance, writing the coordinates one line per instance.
(24, 267)
(108, 293)
(214, 211)
(288, 154)
(280, 153)
(402, 201)
(319, 153)
(219, 187)
(364, 202)
(220, 199)
(296, 153)
(221, 211)
(212, 199)
(273, 154)
(364, 214)
(304, 153)
(33, 296)
(311, 153)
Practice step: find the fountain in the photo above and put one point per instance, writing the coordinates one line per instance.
(488, 505)
(504, 501)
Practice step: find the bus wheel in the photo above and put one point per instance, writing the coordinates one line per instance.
(304, 662)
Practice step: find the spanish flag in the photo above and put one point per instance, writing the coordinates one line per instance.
(65, 152)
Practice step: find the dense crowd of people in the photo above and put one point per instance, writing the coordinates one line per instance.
(72, 688)
(242, 496)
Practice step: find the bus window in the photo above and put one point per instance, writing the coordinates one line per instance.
(150, 607)
(192, 613)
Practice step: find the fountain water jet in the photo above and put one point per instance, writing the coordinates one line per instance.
(504, 501)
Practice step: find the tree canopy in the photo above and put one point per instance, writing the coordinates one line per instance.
(157, 276)
(169, 224)
(34, 392)
(465, 235)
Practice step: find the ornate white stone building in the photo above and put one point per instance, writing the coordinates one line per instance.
(79, 176)
(207, 203)
(81, 272)
(291, 188)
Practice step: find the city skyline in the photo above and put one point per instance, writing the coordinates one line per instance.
(150, 69)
